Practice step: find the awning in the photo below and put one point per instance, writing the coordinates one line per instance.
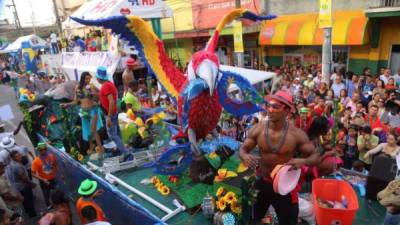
(349, 28)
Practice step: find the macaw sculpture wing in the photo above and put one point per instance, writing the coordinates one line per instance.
(151, 49)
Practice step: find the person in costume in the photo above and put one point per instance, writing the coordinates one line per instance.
(278, 141)
(127, 75)
(88, 191)
(130, 99)
(304, 120)
(108, 97)
(90, 113)
(44, 168)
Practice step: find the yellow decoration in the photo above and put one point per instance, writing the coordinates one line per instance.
(213, 155)
(235, 208)
(165, 190)
(161, 115)
(155, 180)
(221, 204)
(230, 197)
(149, 40)
(141, 131)
(130, 114)
(80, 157)
(242, 168)
(220, 192)
(159, 187)
(24, 91)
(98, 149)
(223, 174)
(31, 97)
(139, 122)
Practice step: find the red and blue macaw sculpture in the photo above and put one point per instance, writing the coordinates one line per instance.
(202, 92)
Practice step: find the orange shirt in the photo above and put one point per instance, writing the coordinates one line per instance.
(82, 203)
(45, 167)
(376, 123)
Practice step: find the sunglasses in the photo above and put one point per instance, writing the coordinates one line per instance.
(274, 106)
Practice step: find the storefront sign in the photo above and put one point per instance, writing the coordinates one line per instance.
(237, 36)
(207, 13)
(309, 59)
(325, 13)
(293, 59)
(98, 9)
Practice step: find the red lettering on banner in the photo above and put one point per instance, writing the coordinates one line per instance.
(103, 6)
(148, 2)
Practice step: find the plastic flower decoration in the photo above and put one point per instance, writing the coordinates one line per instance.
(242, 168)
(155, 181)
(213, 155)
(164, 190)
(220, 192)
(81, 157)
(221, 204)
(235, 208)
(223, 174)
(230, 197)
(160, 187)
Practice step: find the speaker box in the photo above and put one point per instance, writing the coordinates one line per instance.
(383, 171)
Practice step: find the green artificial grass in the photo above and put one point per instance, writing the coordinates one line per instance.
(192, 194)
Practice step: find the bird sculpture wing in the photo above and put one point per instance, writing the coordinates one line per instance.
(151, 49)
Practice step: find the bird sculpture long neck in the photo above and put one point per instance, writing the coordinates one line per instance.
(234, 14)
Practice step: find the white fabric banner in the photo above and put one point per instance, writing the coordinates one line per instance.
(51, 64)
(74, 63)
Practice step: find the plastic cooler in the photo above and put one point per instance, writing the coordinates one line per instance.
(333, 190)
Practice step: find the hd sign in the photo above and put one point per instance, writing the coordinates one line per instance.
(99, 9)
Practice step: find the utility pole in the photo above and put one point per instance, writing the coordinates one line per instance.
(325, 22)
(32, 18)
(327, 55)
(239, 55)
(58, 21)
(16, 18)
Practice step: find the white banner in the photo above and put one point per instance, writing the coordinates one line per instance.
(74, 63)
(51, 64)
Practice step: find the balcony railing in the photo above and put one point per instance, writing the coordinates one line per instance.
(390, 3)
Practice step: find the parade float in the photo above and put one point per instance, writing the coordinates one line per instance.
(187, 174)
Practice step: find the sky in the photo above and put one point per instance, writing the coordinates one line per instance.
(42, 11)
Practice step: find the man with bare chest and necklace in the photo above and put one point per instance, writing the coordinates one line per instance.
(278, 142)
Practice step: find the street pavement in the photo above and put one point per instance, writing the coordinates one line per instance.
(7, 97)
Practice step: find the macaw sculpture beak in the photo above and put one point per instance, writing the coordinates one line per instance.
(208, 71)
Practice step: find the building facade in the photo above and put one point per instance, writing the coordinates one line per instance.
(365, 33)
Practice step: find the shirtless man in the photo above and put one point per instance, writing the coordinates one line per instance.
(278, 141)
(127, 75)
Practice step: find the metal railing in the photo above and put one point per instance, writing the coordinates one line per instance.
(390, 3)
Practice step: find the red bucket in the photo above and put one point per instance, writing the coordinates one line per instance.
(333, 190)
